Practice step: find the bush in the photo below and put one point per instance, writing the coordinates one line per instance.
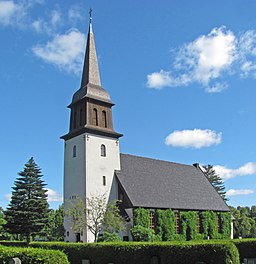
(109, 237)
(32, 255)
(246, 248)
(140, 233)
(138, 252)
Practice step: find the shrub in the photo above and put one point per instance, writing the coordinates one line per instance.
(109, 237)
(140, 233)
(32, 255)
(138, 252)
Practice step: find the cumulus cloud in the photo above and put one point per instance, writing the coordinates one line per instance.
(53, 196)
(227, 173)
(207, 59)
(196, 138)
(233, 192)
(65, 51)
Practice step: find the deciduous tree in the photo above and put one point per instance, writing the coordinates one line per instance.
(94, 214)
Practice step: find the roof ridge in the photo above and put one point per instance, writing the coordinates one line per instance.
(157, 159)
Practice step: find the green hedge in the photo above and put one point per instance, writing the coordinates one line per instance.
(246, 248)
(133, 253)
(32, 255)
(13, 243)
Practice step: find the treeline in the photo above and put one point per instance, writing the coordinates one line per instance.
(52, 231)
(244, 221)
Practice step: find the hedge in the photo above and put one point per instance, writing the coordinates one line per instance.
(246, 248)
(138, 252)
(13, 243)
(32, 255)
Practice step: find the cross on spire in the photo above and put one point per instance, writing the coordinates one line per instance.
(90, 14)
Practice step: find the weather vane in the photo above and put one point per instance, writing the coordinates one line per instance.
(90, 13)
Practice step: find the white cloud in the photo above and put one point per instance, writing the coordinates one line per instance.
(159, 79)
(53, 196)
(55, 17)
(227, 173)
(65, 51)
(216, 88)
(207, 59)
(8, 197)
(11, 13)
(233, 192)
(74, 14)
(196, 138)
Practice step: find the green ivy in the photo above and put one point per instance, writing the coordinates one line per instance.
(165, 228)
(141, 217)
(189, 224)
(165, 224)
(225, 223)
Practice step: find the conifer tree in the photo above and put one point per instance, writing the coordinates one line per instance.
(27, 212)
(215, 180)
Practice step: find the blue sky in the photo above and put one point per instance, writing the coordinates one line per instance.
(182, 75)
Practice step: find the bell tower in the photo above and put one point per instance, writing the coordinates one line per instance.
(91, 153)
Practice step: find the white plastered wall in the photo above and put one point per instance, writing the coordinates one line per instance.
(83, 174)
(98, 166)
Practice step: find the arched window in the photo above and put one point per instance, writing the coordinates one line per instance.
(74, 151)
(104, 119)
(103, 150)
(81, 117)
(95, 117)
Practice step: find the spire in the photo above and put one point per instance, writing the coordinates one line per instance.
(91, 70)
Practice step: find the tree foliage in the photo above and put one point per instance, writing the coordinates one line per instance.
(244, 221)
(94, 214)
(215, 180)
(27, 212)
(54, 229)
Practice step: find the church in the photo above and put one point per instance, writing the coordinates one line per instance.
(94, 165)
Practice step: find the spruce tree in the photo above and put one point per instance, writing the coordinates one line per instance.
(27, 212)
(216, 181)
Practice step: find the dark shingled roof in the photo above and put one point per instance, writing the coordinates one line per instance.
(160, 184)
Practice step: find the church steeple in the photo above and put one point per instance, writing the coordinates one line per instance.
(91, 105)
(91, 70)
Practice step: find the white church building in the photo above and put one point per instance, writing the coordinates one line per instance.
(93, 163)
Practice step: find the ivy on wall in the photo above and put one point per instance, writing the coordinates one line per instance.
(141, 217)
(189, 226)
(165, 226)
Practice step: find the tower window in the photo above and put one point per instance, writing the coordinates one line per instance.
(103, 150)
(74, 151)
(75, 118)
(95, 117)
(104, 181)
(104, 119)
(81, 117)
